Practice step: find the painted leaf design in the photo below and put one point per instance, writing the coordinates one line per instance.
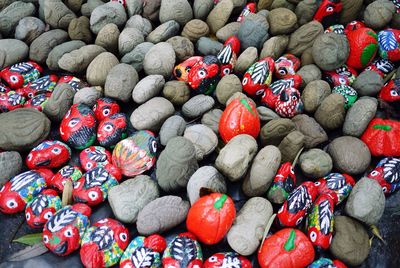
(143, 257)
(231, 262)
(335, 181)
(14, 99)
(61, 219)
(278, 86)
(225, 54)
(384, 65)
(259, 72)
(103, 237)
(43, 145)
(97, 156)
(391, 170)
(41, 83)
(387, 40)
(184, 250)
(39, 204)
(368, 53)
(22, 67)
(3, 88)
(95, 177)
(39, 99)
(67, 171)
(325, 216)
(299, 199)
(23, 180)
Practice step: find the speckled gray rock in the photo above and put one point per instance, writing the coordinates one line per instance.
(379, 13)
(304, 37)
(253, 31)
(182, 46)
(273, 132)
(23, 129)
(197, 106)
(246, 59)
(203, 138)
(108, 37)
(366, 202)
(152, 114)
(305, 11)
(211, 119)
(29, 28)
(10, 165)
(128, 40)
(111, 12)
(12, 14)
(350, 242)
(262, 171)
(57, 14)
(201, 8)
(79, 29)
(131, 196)
(330, 114)
(195, 29)
(266, 114)
(57, 52)
(163, 32)
(274, 47)
(315, 163)
(291, 145)
(88, 95)
(330, 51)
(87, 8)
(314, 93)
(172, 127)
(228, 30)
(227, 86)
(147, 88)
(207, 177)
(160, 59)
(282, 21)
(368, 83)
(208, 46)
(98, 69)
(350, 11)
(140, 23)
(359, 115)
(219, 15)
(350, 155)
(247, 231)
(176, 164)
(313, 133)
(177, 10)
(59, 102)
(309, 73)
(78, 60)
(162, 214)
(134, 7)
(234, 159)
(42, 45)
(177, 92)
(12, 51)
(151, 9)
(135, 58)
(120, 82)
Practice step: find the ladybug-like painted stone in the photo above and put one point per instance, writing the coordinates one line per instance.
(45, 84)
(383, 67)
(203, 77)
(20, 74)
(38, 102)
(42, 207)
(258, 77)
(227, 259)
(10, 101)
(350, 94)
(336, 28)
(181, 71)
(389, 44)
(289, 103)
(341, 76)
(135, 154)
(387, 173)
(104, 243)
(183, 251)
(105, 107)
(328, 12)
(73, 81)
(78, 127)
(363, 43)
(249, 8)
(228, 55)
(144, 252)
(286, 65)
(59, 179)
(48, 154)
(272, 93)
(112, 129)
(336, 185)
(94, 156)
(63, 232)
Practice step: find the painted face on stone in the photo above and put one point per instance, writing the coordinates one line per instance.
(350, 94)
(94, 156)
(38, 102)
(381, 66)
(73, 81)
(111, 130)
(227, 259)
(182, 70)
(20, 74)
(289, 103)
(286, 65)
(284, 181)
(391, 91)
(10, 101)
(204, 76)
(228, 55)
(341, 76)
(258, 77)
(328, 12)
(104, 108)
(58, 181)
(336, 185)
(4, 88)
(354, 25)
(48, 154)
(389, 42)
(337, 29)
(272, 93)
(45, 84)
(387, 174)
(249, 8)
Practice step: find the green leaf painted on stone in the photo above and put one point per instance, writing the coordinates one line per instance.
(29, 239)
(368, 53)
(373, 34)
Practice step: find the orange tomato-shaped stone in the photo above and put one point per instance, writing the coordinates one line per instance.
(210, 217)
(239, 117)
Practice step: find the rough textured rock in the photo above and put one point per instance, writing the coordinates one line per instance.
(253, 31)
(108, 37)
(307, 57)
(264, 4)
(78, 60)
(368, 83)
(330, 51)
(57, 14)
(129, 39)
(12, 14)
(57, 52)
(134, 7)
(182, 46)
(135, 58)
(203, 138)
(152, 114)
(309, 73)
(23, 129)
(151, 9)
(274, 47)
(174, 126)
(29, 28)
(87, 8)
(262, 171)
(41, 46)
(131, 196)
(163, 32)
(74, 5)
(314, 93)
(88, 95)
(379, 13)
(315, 163)
(313, 133)
(247, 232)
(110, 12)
(291, 145)
(201, 8)
(282, 21)
(273, 132)
(228, 30)
(177, 92)
(359, 115)
(177, 10)
(206, 177)
(208, 46)
(304, 37)
(10, 165)
(351, 9)
(120, 82)
(350, 242)
(305, 11)
(139, 23)
(234, 159)
(195, 29)
(246, 59)
(354, 161)
(176, 164)
(227, 86)
(12, 51)
(162, 214)
(197, 106)
(160, 59)
(99, 68)
(59, 102)
(219, 15)
(266, 114)
(147, 88)
(211, 119)
(330, 114)
(282, 4)
(79, 29)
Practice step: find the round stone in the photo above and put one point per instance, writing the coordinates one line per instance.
(359, 115)
(274, 47)
(219, 15)
(314, 93)
(12, 51)
(227, 86)
(304, 37)
(173, 127)
(211, 119)
(197, 106)
(195, 29)
(282, 21)
(203, 138)
(159, 60)
(330, 114)
(147, 88)
(108, 37)
(313, 133)
(178, 10)
(368, 83)
(29, 28)
(111, 12)
(273, 132)
(182, 46)
(315, 163)
(177, 92)
(330, 51)
(98, 69)
(379, 13)
(120, 82)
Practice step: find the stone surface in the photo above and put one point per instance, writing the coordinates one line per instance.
(211, 119)
(152, 114)
(177, 92)
(74, 5)
(176, 164)
(314, 93)
(195, 29)
(98, 69)
(282, 4)
(266, 114)
(79, 29)
(359, 115)
(129, 39)
(282, 21)
(351, 161)
(110, 12)
(174, 126)
(273, 132)
(163, 32)
(234, 159)
(379, 13)
(135, 58)
(291, 145)
(262, 171)
(309, 73)
(228, 30)
(162, 214)
(88, 95)
(274, 47)
(304, 37)
(57, 52)
(227, 86)
(350, 11)
(197, 106)
(368, 83)
(139, 23)
(108, 37)
(305, 11)
(313, 133)
(131, 196)
(42, 45)
(330, 51)
(182, 46)
(29, 28)
(10, 165)
(12, 14)
(160, 59)
(78, 60)
(307, 57)
(219, 15)
(12, 51)
(59, 102)
(208, 46)
(23, 129)
(206, 177)
(253, 31)
(201, 8)
(315, 163)
(87, 8)
(330, 114)
(120, 82)
(57, 14)
(134, 7)
(203, 138)
(177, 10)
(246, 59)
(151, 9)
(147, 88)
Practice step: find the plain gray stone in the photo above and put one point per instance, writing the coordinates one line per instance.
(359, 115)
(174, 126)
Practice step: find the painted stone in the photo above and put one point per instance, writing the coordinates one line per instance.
(66, 173)
(20, 74)
(286, 65)
(203, 77)
(350, 94)
(112, 129)
(105, 107)
(388, 41)
(181, 71)
(387, 174)
(48, 154)
(337, 186)
(219, 260)
(272, 93)
(363, 44)
(38, 102)
(11, 101)
(341, 76)
(94, 156)
(258, 77)
(328, 12)
(45, 84)
(289, 103)
(228, 55)
(283, 184)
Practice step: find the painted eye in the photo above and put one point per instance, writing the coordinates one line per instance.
(106, 112)
(89, 165)
(153, 147)
(202, 73)
(45, 239)
(48, 215)
(329, 9)
(76, 185)
(342, 81)
(226, 71)
(11, 203)
(68, 233)
(374, 173)
(103, 221)
(87, 150)
(108, 128)
(313, 236)
(123, 236)
(28, 216)
(244, 82)
(259, 92)
(63, 183)
(213, 259)
(294, 98)
(393, 93)
(30, 95)
(73, 122)
(56, 150)
(14, 78)
(384, 189)
(94, 107)
(282, 72)
(317, 183)
(93, 195)
(299, 221)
